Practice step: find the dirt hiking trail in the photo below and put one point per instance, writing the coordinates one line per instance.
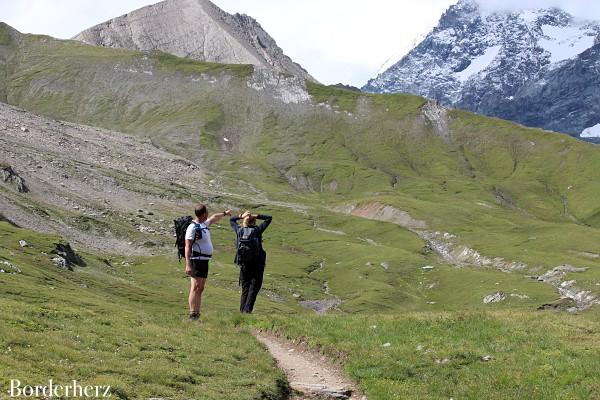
(310, 374)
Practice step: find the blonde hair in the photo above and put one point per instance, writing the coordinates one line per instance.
(250, 220)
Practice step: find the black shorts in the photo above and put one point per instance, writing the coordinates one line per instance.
(199, 269)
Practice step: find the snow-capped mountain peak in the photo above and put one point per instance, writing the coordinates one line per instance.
(480, 59)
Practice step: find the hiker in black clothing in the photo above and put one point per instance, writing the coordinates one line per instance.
(250, 256)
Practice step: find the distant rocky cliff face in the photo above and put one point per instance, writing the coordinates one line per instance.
(536, 67)
(195, 29)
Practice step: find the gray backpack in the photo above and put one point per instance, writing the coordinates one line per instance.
(248, 246)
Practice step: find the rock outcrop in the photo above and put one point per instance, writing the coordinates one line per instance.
(451, 251)
(10, 176)
(437, 116)
(494, 298)
(557, 277)
(8, 268)
(195, 29)
(68, 256)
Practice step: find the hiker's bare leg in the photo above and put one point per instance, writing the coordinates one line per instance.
(196, 289)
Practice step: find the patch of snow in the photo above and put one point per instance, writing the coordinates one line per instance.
(593, 131)
(529, 16)
(478, 64)
(565, 42)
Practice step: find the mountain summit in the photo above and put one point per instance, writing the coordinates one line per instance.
(195, 29)
(534, 66)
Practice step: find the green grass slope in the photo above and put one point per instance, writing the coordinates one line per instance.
(121, 322)
(441, 355)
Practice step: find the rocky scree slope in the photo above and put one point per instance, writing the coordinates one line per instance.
(535, 66)
(98, 188)
(195, 29)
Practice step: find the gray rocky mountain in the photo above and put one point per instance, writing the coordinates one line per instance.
(194, 29)
(537, 67)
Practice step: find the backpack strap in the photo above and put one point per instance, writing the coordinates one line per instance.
(246, 232)
(198, 228)
(196, 255)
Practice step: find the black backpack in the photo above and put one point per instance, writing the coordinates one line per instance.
(181, 225)
(248, 246)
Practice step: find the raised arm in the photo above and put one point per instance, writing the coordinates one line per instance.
(213, 219)
(266, 222)
(233, 222)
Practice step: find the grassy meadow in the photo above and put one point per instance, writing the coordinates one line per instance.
(504, 354)
(121, 321)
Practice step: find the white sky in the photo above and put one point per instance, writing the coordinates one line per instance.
(335, 40)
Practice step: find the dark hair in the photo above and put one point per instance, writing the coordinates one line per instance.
(200, 210)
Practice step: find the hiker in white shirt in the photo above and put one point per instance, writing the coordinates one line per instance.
(198, 252)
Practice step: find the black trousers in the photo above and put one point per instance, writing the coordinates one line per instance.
(251, 278)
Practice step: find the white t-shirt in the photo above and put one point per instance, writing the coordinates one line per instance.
(203, 245)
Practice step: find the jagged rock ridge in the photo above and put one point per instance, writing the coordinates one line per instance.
(536, 67)
(194, 29)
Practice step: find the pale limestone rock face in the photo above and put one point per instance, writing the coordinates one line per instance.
(194, 29)
(287, 89)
